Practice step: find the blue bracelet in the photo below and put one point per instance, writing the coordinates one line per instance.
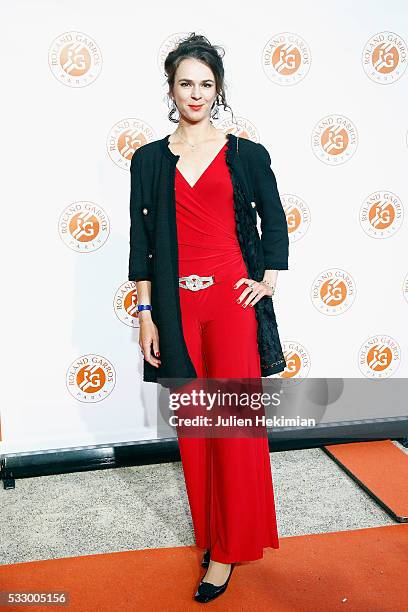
(143, 307)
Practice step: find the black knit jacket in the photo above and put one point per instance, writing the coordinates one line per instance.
(153, 252)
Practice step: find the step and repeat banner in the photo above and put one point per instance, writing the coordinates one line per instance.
(324, 88)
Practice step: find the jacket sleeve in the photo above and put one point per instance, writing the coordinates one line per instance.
(274, 227)
(139, 263)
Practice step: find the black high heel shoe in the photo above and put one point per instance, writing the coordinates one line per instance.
(206, 558)
(207, 591)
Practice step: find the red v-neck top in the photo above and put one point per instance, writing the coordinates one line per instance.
(206, 228)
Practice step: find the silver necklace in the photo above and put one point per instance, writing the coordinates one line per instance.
(193, 147)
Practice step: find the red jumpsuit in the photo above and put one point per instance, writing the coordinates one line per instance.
(228, 480)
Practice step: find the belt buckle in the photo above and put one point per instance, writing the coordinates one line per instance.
(194, 282)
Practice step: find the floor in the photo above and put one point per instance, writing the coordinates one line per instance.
(146, 507)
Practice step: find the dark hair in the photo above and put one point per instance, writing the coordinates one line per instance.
(198, 47)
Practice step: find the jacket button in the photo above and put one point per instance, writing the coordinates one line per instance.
(253, 204)
(145, 211)
(150, 255)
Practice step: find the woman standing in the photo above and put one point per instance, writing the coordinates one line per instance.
(228, 480)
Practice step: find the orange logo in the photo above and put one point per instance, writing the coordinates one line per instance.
(379, 357)
(75, 59)
(90, 378)
(125, 304)
(333, 291)
(293, 219)
(297, 216)
(381, 214)
(125, 137)
(297, 360)
(385, 58)
(334, 139)
(286, 58)
(84, 226)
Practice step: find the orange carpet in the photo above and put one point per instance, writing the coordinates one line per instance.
(381, 468)
(362, 570)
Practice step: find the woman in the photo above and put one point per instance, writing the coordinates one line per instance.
(204, 283)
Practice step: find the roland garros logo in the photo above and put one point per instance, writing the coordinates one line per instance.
(242, 128)
(125, 304)
(90, 378)
(125, 137)
(84, 226)
(334, 139)
(297, 216)
(379, 357)
(385, 58)
(169, 44)
(286, 59)
(75, 59)
(333, 291)
(381, 214)
(297, 360)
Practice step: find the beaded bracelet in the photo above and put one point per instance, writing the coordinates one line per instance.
(269, 284)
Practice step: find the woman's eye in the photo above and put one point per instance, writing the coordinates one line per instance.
(205, 85)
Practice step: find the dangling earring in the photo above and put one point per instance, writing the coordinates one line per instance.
(215, 114)
(173, 110)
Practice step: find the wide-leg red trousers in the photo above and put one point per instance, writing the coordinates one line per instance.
(228, 480)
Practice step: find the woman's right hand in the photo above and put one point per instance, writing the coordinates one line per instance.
(148, 336)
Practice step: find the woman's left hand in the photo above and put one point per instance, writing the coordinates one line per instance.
(255, 291)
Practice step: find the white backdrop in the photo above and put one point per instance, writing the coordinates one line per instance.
(322, 86)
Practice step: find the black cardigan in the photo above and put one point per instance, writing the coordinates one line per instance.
(153, 252)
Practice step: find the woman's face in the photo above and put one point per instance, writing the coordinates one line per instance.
(194, 90)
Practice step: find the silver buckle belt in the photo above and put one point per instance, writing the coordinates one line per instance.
(194, 282)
